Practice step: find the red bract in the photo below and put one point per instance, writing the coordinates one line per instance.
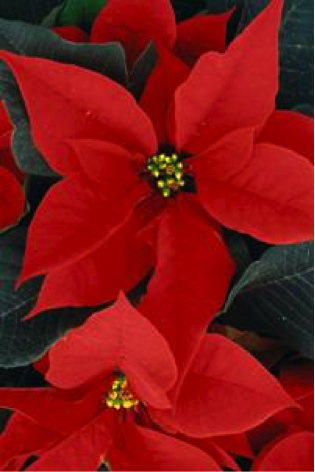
(122, 21)
(12, 198)
(21, 438)
(94, 233)
(111, 400)
(298, 380)
(294, 452)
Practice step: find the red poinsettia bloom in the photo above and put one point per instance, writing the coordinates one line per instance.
(122, 21)
(110, 400)
(95, 231)
(12, 198)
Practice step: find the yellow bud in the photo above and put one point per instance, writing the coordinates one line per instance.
(170, 170)
(128, 404)
(160, 183)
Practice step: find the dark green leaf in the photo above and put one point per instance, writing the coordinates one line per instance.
(297, 54)
(238, 250)
(142, 70)
(305, 109)
(22, 342)
(21, 377)
(36, 41)
(275, 297)
(185, 9)
(31, 11)
(75, 12)
(296, 45)
(221, 6)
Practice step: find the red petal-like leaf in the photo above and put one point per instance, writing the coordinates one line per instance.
(292, 453)
(123, 21)
(137, 448)
(158, 95)
(267, 193)
(119, 263)
(201, 34)
(116, 338)
(60, 411)
(227, 391)
(236, 89)
(216, 452)
(83, 450)
(12, 199)
(74, 219)
(110, 166)
(191, 278)
(22, 438)
(64, 101)
(290, 130)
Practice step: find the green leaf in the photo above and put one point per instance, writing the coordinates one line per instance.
(75, 12)
(142, 70)
(221, 6)
(297, 54)
(31, 11)
(296, 45)
(274, 297)
(185, 9)
(23, 342)
(37, 41)
(238, 249)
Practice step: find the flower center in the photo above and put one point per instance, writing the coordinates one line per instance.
(167, 173)
(119, 396)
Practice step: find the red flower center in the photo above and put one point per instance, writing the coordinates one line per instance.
(119, 395)
(167, 172)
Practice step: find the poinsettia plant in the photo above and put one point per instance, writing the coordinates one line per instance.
(168, 185)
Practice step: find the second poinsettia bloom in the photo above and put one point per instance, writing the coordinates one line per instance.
(203, 158)
(122, 21)
(112, 399)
